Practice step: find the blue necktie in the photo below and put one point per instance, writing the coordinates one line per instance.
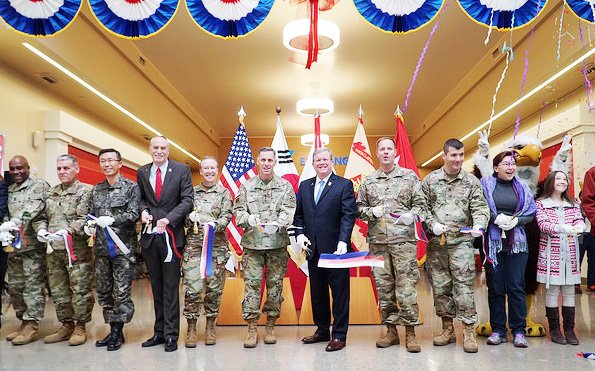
(320, 189)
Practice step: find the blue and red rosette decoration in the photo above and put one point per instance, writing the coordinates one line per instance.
(397, 16)
(39, 17)
(583, 9)
(502, 14)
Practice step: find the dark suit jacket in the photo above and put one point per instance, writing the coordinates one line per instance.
(175, 202)
(329, 221)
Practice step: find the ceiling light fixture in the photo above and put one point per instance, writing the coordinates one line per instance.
(312, 106)
(295, 35)
(104, 97)
(308, 140)
(520, 100)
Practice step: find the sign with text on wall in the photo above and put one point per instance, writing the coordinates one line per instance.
(337, 160)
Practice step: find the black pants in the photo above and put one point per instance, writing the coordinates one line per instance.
(3, 267)
(588, 247)
(338, 280)
(165, 285)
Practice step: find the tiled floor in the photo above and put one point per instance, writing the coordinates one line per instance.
(290, 354)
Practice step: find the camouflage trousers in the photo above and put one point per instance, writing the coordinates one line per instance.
(254, 263)
(113, 282)
(396, 283)
(451, 272)
(71, 288)
(206, 291)
(27, 280)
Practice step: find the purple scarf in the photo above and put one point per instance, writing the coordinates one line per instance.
(525, 207)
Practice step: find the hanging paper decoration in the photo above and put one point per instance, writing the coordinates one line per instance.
(229, 18)
(503, 14)
(397, 16)
(39, 17)
(584, 9)
(133, 19)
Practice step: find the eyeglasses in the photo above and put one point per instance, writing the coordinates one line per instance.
(507, 164)
(109, 160)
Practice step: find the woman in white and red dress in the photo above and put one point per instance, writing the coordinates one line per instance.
(560, 221)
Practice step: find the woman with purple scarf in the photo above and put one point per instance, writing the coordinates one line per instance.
(511, 207)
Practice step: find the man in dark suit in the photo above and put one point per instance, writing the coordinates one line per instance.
(166, 199)
(325, 216)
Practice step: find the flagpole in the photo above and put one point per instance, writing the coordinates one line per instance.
(242, 115)
(398, 111)
(360, 112)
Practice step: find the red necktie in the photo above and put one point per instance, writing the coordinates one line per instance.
(158, 184)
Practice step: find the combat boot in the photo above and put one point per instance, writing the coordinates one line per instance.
(269, 331)
(191, 334)
(28, 335)
(62, 334)
(210, 335)
(410, 341)
(103, 342)
(390, 338)
(117, 337)
(447, 335)
(12, 335)
(79, 336)
(252, 336)
(469, 340)
(553, 319)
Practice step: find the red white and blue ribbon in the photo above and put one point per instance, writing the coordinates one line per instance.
(420, 234)
(584, 9)
(350, 260)
(502, 14)
(482, 232)
(68, 243)
(39, 17)
(170, 243)
(397, 16)
(229, 18)
(18, 238)
(133, 19)
(113, 241)
(206, 256)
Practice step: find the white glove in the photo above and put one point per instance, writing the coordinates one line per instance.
(378, 211)
(193, 216)
(104, 221)
(476, 227)
(483, 144)
(406, 218)
(253, 220)
(6, 238)
(438, 229)
(510, 225)
(502, 219)
(565, 229)
(580, 228)
(7, 226)
(341, 248)
(18, 222)
(565, 147)
(42, 235)
(89, 229)
(271, 228)
(303, 242)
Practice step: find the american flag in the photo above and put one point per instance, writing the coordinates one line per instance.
(238, 168)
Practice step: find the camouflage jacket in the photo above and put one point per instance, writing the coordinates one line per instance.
(122, 202)
(26, 202)
(272, 202)
(397, 192)
(66, 207)
(212, 205)
(456, 202)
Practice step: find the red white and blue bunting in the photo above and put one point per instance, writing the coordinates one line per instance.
(229, 18)
(39, 17)
(584, 9)
(503, 14)
(133, 19)
(397, 16)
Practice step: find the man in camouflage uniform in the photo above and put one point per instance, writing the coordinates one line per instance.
(69, 266)
(453, 199)
(115, 203)
(393, 190)
(264, 207)
(212, 206)
(26, 265)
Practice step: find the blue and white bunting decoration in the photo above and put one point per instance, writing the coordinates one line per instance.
(584, 9)
(229, 18)
(39, 17)
(132, 19)
(502, 14)
(399, 16)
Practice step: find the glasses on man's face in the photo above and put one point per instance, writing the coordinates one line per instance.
(108, 160)
(507, 164)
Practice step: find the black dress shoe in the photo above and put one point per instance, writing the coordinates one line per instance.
(335, 345)
(316, 338)
(103, 342)
(155, 340)
(171, 345)
(117, 337)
